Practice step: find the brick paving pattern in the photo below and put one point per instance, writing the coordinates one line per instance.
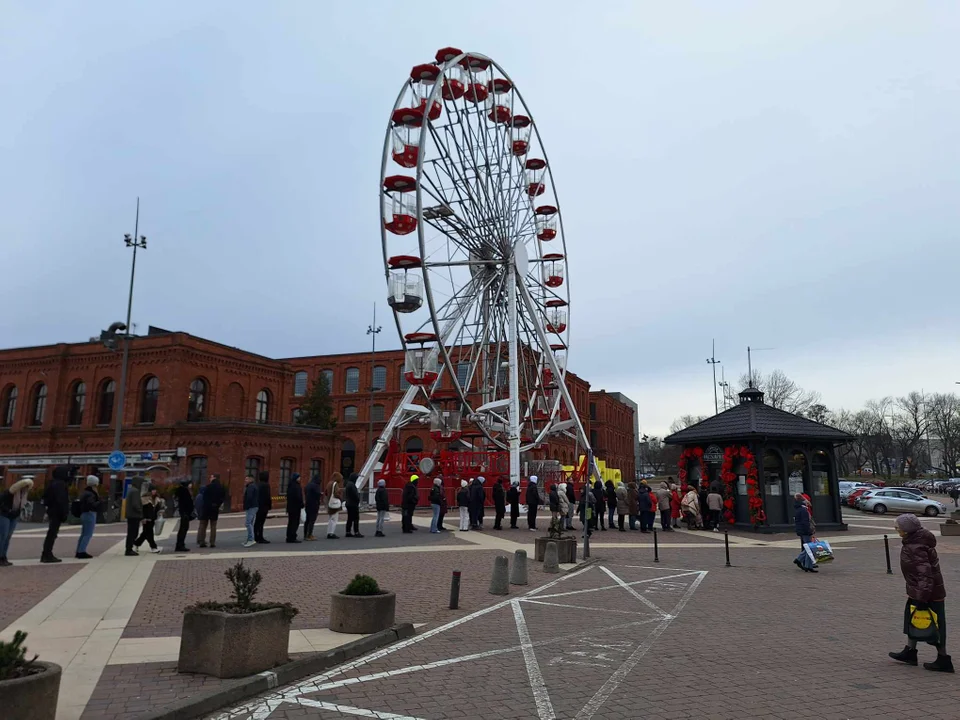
(23, 587)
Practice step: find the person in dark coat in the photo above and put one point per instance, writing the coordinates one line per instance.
(251, 499)
(803, 524)
(586, 507)
(571, 504)
(513, 497)
(213, 497)
(476, 503)
(312, 497)
(499, 504)
(151, 510)
(89, 502)
(351, 501)
(533, 502)
(611, 493)
(133, 511)
(408, 504)
(185, 509)
(644, 504)
(600, 504)
(443, 506)
(383, 506)
(633, 504)
(264, 507)
(294, 506)
(57, 501)
(920, 566)
(553, 499)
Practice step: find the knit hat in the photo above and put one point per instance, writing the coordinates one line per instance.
(908, 523)
(533, 479)
(514, 482)
(438, 481)
(463, 483)
(481, 478)
(92, 481)
(381, 483)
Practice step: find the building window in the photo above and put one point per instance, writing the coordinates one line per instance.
(9, 406)
(300, 384)
(252, 467)
(198, 468)
(376, 413)
(108, 390)
(463, 370)
(413, 445)
(404, 384)
(148, 401)
(316, 468)
(353, 380)
(379, 378)
(350, 413)
(295, 415)
(263, 406)
(286, 470)
(78, 400)
(39, 408)
(196, 405)
(327, 376)
(593, 411)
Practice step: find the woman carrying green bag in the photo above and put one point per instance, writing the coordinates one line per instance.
(924, 617)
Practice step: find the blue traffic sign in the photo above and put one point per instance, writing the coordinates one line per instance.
(117, 460)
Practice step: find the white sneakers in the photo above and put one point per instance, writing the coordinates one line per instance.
(156, 550)
(249, 543)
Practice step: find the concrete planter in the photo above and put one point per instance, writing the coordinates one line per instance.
(362, 614)
(566, 549)
(33, 697)
(227, 645)
(950, 527)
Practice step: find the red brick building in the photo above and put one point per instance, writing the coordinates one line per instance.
(195, 407)
(611, 432)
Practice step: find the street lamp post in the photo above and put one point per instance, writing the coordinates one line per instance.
(136, 242)
(713, 363)
(372, 330)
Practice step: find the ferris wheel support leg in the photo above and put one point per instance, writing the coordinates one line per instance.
(514, 418)
(366, 472)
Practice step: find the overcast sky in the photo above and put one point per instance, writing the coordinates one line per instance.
(778, 175)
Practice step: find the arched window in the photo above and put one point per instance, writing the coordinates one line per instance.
(327, 375)
(149, 397)
(350, 413)
(404, 384)
(263, 406)
(379, 378)
(348, 453)
(413, 445)
(286, 470)
(300, 384)
(198, 469)
(78, 401)
(196, 404)
(376, 413)
(9, 406)
(252, 467)
(39, 405)
(353, 380)
(108, 389)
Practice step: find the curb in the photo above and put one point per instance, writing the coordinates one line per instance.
(234, 692)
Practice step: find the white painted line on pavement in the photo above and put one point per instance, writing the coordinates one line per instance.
(348, 710)
(614, 587)
(540, 695)
(633, 592)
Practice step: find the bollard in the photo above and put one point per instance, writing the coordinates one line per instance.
(455, 590)
(726, 545)
(499, 581)
(656, 547)
(551, 558)
(886, 549)
(518, 575)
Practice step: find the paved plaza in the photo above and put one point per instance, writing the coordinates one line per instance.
(620, 636)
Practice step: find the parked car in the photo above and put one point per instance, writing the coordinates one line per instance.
(856, 494)
(897, 500)
(848, 486)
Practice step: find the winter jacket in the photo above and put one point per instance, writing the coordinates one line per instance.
(184, 500)
(623, 505)
(410, 498)
(251, 496)
(513, 496)
(571, 495)
(55, 496)
(611, 493)
(294, 495)
(920, 564)
(382, 500)
(89, 500)
(599, 499)
(436, 495)
(13, 498)
(564, 504)
(633, 499)
(674, 504)
(663, 496)
(150, 509)
(463, 497)
(477, 495)
(200, 503)
(213, 498)
(499, 498)
(351, 495)
(263, 486)
(134, 509)
(691, 503)
(714, 501)
(554, 499)
(643, 500)
(312, 495)
(801, 519)
(533, 497)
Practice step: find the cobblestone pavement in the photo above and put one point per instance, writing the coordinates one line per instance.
(23, 587)
(688, 638)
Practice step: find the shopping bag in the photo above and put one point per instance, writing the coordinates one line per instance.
(303, 516)
(819, 551)
(158, 526)
(386, 517)
(924, 626)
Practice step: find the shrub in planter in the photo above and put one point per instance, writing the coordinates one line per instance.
(239, 638)
(28, 688)
(362, 607)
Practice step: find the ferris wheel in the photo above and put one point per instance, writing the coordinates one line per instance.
(475, 261)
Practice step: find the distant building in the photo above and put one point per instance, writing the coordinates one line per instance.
(613, 431)
(637, 455)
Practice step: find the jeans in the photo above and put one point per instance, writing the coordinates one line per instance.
(332, 520)
(53, 529)
(610, 512)
(250, 518)
(436, 517)
(146, 535)
(7, 526)
(633, 522)
(464, 518)
(381, 517)
(88, 521)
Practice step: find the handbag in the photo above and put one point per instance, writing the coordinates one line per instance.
(334, 502)
(924, 625)
(819, 551)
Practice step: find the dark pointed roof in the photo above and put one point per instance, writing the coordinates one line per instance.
(753, 418)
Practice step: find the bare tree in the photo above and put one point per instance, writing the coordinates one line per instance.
(781, 392)
(685, 421)
(654, 454)
(944, 423)
(876, 426)
(908, 425)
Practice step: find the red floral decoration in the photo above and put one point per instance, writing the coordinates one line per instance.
(685, 457)
(754, 500)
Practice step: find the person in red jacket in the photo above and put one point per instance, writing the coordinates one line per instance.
(675, 499)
